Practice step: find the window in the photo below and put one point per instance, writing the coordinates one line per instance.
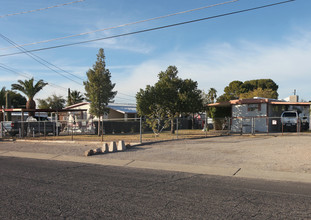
(254, 107)
(290, 114)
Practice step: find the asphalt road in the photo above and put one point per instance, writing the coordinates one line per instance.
(40, 189)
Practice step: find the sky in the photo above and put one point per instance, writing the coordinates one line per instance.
(272, 42)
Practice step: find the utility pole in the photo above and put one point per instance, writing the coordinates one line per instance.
(8, 105)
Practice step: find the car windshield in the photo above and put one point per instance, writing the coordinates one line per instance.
(290, 114)
(41, 118)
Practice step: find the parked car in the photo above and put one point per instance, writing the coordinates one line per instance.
(6, 128)
(33, 125)
(291, 121)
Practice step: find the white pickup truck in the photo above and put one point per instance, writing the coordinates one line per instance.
(291, 121)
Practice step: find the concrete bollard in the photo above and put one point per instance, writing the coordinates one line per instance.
(98, 150)
(121, 146)
(112, 147)
(105, 148)
(89, 153)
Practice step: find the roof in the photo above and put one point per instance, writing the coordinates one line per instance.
(77, 105)
(122, 108)
(39, 110)
(290, 103)
(257, 101)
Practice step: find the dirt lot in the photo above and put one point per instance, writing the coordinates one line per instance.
(267, 153)
(280, 153)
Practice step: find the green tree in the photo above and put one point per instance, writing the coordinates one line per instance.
(17, 100)
(167, 92)
(237, 89)
(210, 98)
(99, 88)
(233, 90)
(30, 90)
(2, 96)
(266, 93)
(43, 104)
(191, 100)
(212, 95)
(147, 105)
(52, 102)
(168, 98)
(264, 84)
(74, 97)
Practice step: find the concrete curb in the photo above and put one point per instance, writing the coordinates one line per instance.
(197, 169)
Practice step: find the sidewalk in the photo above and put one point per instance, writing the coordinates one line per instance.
(284, 158)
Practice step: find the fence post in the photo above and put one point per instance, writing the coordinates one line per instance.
(229, 125)
(298, 125)
(206, 124)
(140, 131)
(56, 127)
(102, 130)
(282, 126)
(39, 124)
(268, 124)
(44, 130)
(177, 128)
(2, 130)
(71, 133)
(241, 126)
(253, 126)
(22, 129)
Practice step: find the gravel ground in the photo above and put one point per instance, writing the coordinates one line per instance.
(273, 153)
(287, 153)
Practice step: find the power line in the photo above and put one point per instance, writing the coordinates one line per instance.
(124, 25)
(10, 69)
(152, 29)
(36, 58)
(5, 67)
(126, 94)
(41, 9)
(124, 98)
(58, 67)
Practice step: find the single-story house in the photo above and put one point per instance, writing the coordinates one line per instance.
(116, 121)
(261, 114)
(116, 111)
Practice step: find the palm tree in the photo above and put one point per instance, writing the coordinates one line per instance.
(212, 95)
(75, 97)
(30, 90)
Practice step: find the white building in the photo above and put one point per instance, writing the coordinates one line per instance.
(117, 111)
(261, 114)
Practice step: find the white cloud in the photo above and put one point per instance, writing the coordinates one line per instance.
(59, 89)
(287, 63)
(128, 43)
(5, 79)
(139, 77)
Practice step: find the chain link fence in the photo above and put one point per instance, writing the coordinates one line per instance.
(257, 125)
(138, 130)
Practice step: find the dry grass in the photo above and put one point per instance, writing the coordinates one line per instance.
(131, 138)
